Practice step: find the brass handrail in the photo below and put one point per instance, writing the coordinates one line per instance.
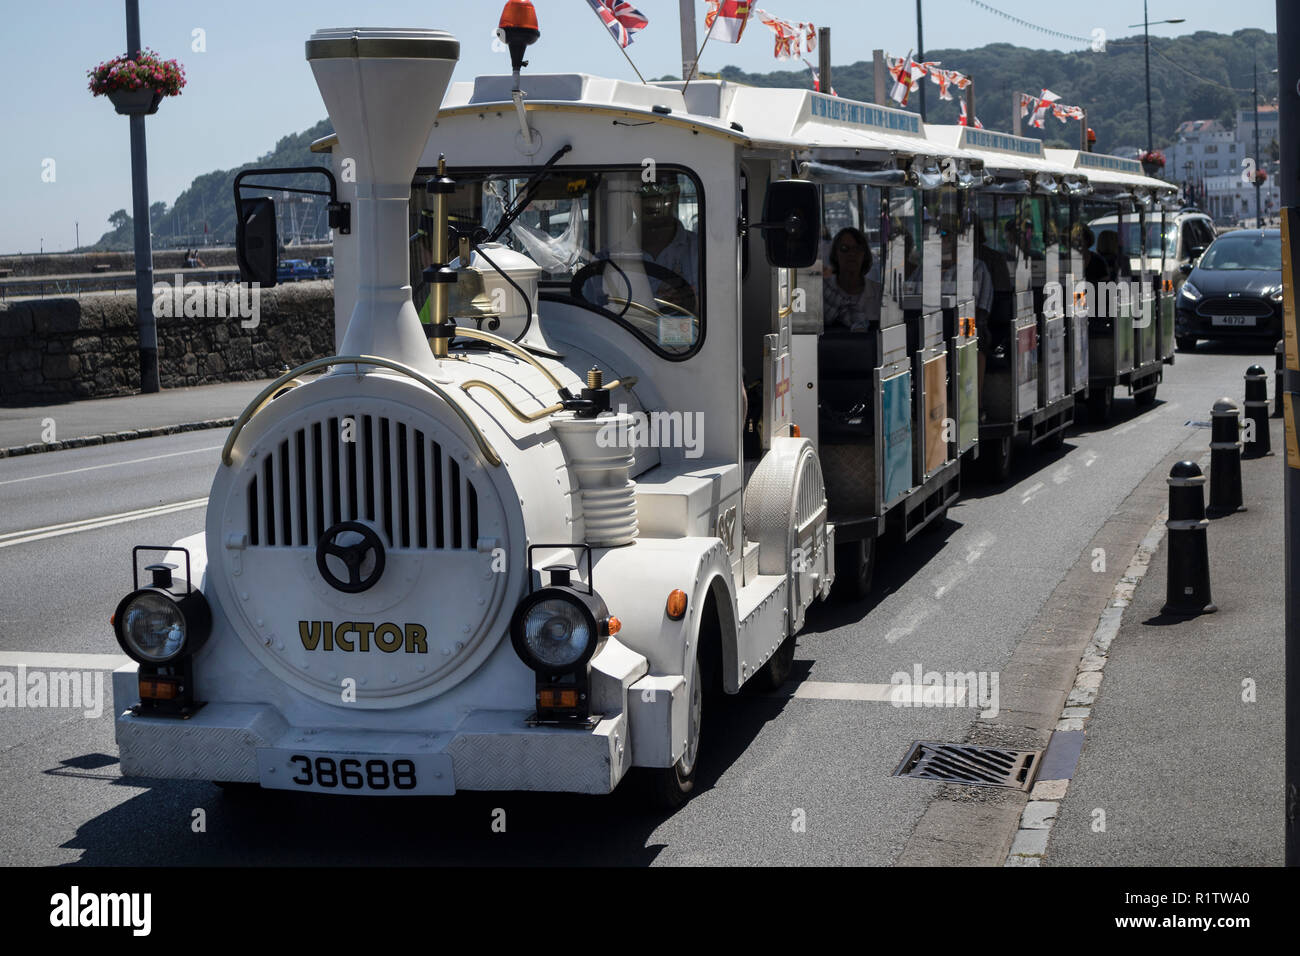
(526, 417)
(512, 348)
(270, 391)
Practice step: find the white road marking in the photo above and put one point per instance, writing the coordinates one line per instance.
(90, 524)
(936, 696)
(111, 464)
(1032, 490)
(1088, 458)
(63, 662)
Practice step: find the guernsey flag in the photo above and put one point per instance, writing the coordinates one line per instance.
(731, 17)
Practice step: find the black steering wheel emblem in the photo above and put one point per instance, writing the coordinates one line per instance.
(357, 550)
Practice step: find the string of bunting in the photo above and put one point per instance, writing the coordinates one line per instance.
(907, 74)
(1047, 102)
(1028, 25)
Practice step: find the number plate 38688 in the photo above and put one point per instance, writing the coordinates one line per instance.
(360, 773)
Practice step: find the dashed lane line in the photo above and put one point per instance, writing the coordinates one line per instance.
(111, 464)
(67, 662)
(12, 538)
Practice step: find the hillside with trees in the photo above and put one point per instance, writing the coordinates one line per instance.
(1199, 76)
(1191, 78)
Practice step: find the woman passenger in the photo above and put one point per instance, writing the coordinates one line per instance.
(850, 299)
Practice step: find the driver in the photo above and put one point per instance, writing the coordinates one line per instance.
(662, 239)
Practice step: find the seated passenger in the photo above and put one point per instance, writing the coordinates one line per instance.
(850, 300)
(1108, 249)
(1095, 268)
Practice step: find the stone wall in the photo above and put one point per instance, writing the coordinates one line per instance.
(164, 260)
(54, 350)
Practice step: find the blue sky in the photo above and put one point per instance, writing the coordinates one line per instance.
(252, 85)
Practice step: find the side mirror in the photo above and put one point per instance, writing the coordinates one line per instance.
(1194, 252)
(791, 223)
(256, 242)
(1186, 268)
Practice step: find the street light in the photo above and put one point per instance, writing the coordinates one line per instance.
(1146, 37)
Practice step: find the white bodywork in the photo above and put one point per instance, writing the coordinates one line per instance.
(439, 683)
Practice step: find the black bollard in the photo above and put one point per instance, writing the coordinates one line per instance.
(1257, 413)
(1280, 354)
(1187, 587)
(1225, 459)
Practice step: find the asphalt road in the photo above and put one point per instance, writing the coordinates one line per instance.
(958, 598)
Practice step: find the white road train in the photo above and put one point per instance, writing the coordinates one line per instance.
(519, 544)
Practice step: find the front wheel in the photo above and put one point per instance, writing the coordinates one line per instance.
(670, 787)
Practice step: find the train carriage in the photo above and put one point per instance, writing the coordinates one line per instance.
(1128, 343)
(1033, 351)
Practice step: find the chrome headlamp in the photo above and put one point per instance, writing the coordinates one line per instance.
(558, 629)
(157, 626)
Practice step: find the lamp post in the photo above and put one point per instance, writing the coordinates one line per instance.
(1146, 39)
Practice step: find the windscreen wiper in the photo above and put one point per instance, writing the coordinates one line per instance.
(526, 195)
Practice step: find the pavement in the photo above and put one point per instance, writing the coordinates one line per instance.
(100, 421)
(1182, 754)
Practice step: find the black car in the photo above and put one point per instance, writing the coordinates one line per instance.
(1233, 291)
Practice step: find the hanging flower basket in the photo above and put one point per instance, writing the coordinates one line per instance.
(135, 102)
(136, 86)
(1152, 161)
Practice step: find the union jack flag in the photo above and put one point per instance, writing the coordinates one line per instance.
(621, 19)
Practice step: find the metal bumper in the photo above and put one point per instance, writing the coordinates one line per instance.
(487, 750)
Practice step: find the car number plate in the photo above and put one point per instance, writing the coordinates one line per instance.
(362, 773)
(1232, 320)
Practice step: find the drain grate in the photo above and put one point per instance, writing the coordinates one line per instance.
(971, 765)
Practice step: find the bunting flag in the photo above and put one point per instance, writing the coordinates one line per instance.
(1041, 107)
(731, 17)
(817, 80)
(906, 72)
(944, 79)
(962, 119)
(621, 19)
(1047, 102)
(792, 39)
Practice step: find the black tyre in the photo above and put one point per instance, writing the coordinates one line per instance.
(1145, 399)
(855, 566)
(238, 789)
(1185, 343)
(1101, 401)
(995, 458)
(1055, 440)
(667, 788)
(776, 671)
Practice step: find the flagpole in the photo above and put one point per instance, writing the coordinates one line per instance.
(696, 68)
(620, 46)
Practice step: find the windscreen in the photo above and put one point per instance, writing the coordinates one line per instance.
(1236, 253)
(624, 243)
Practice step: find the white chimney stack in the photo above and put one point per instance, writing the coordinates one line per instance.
(382, 87)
